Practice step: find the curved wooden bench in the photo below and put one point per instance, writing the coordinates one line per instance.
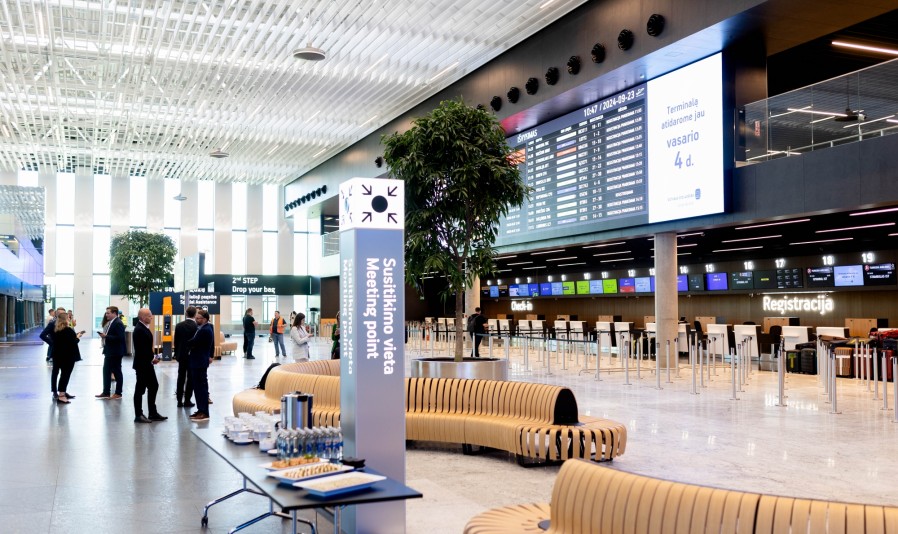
(588, 498)
(539, 423)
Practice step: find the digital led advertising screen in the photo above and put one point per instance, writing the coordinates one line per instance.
(716, 281)
(583, 287)
(696, 282)
(494, 292)
(682, 283)
(645, 284)
(627, 285)
(545, 289)
(651, 153)
(820, 277)
(743, 280)
(595, 287)
(567, 288)
(534, 290)
(557, 289)
(609, 285)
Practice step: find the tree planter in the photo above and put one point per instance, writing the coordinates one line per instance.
(477, 368)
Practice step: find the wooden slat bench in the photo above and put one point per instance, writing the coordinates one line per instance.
(588, 498)
(538, 423)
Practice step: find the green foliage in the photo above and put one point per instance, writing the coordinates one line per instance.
(140, 262)
(459, 182)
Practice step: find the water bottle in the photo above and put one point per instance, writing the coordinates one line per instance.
(338, 446)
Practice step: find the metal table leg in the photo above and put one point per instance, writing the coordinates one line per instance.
(205, 519)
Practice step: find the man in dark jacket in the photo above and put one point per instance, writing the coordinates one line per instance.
(113, 336)
(144, 360)
(202, 348)
(184, 332)
(477, 329)
(47, 334)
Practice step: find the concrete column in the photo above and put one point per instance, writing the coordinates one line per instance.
(666, 310)
(83, 287)
(188, 219)
(9, 178)
(47, 180)
(223, 238)
(472, 296)
(254, 252)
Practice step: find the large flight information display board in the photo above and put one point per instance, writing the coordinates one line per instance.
(649, 154)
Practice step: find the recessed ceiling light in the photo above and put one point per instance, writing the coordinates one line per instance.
(519, 263)
(546, 252)
(219, 154)
(606, 245)
(752, 238)
(537, 267)
(868, 48)
(562, 259)
(309, 53)
(571, 264)
(735, 249)
(884, 210)
(854, 228)
(616, 260)
(772, 224)
(822, 241)
(613, 253)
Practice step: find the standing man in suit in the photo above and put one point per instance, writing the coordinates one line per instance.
(202, 348)
(113, 338)
(46, 334)
(144, 360)
(184, 332)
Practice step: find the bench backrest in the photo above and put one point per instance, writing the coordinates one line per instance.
(588, 498)
(325, 388)
(539, 402)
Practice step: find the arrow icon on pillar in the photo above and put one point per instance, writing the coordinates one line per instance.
(367, 216)
(392, 217)
(391, 191)
(366, 190)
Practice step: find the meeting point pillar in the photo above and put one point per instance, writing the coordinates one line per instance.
(372, 366)
(666, 310)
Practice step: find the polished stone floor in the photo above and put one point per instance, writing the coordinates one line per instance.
(86, 467)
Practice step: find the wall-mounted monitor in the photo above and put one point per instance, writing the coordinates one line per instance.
(645, 284)
(534, 290)
(484, 291)
(513, 290)
(494, 292)
(557, 289)
(696, 282)
(627, 285)
(545, 289)
(567, 288)
(595, 287)
(682, 282)
(820, 276)
(848, 275)
(523, 290)
(880, 274)
(716, 282)
(743, 280)
(583, 287)
(609, 285)
(651, 153)
(503, 291)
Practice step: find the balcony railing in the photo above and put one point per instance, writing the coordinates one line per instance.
(846, 109)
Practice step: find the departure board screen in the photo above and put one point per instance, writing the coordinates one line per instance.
(592, 169)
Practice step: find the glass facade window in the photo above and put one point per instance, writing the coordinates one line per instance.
(27, 178)
(175, 235)
(101, 299)
(300, 253)
(65, 198)
(102, 237)
(238, 252)
(238, 308)
(270, 207)
(102, 199)
(138, 206)
(269, 306)
(172, 207)
(238, 206)
(205, 211)
(269, 253)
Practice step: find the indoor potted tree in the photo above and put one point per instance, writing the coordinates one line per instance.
(141, 262)
(459, 181)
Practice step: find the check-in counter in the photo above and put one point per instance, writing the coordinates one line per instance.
(604, 331)
(683, 333)
(793, 335)
(832, 331)
(623, 330)
(577, 329)
(537, 328)
(719, 338)
(561, 331)
(504, 327)
(750, 334)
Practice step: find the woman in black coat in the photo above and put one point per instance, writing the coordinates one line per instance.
(65, 340)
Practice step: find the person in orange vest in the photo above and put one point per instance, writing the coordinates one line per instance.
(277, 334)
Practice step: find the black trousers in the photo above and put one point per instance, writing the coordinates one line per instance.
(146, 381)
(200, 380)
(184, 387)
(112, 365)
(248, 341)
(65, 372)
(478, 339)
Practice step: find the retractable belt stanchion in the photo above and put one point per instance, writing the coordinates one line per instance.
(701, 360)
(739, 365)
(548, 358)
(885, 382)
(432, 342)
(561, 349)
(714, 356)
(626, 356)
(638, 353)
(895, 386)
(733, 374)
(835, 392)
(598, 355)
(507, 347)
(780, 377)
(692, 355)
(527, 353)
(875, 374)
(489, 340)
(654, 342)
(668, 362)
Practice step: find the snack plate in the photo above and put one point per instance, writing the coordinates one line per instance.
(339, 484)
(270, 465)
(282, 477)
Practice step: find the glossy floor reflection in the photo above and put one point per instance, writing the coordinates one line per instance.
(86, 467)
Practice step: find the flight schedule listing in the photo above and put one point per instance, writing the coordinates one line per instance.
(649, 154)
(583, 168)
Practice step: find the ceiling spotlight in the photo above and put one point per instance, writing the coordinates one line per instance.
(532, 86)
(573, 65)
(378, 162)
(496, 103)
(513, 94)
(179, 197)
(309, 53)
(655, 25)
(625, 39)
(598, 53)
(219, 154)
(323, 189)
(552, 76)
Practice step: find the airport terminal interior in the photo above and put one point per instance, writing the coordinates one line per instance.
(706, 259)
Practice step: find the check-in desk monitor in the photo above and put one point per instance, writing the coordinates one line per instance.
(749, 333)
(504, 327)
(718, 340)
(793, 335)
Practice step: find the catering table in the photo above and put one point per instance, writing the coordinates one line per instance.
(247, 460)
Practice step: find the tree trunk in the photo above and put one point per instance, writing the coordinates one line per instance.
(459, 325)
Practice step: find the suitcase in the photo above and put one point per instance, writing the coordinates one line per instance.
(843, 363)
(808, 361)
(889, 343)
(793, 361)
(890, 356)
